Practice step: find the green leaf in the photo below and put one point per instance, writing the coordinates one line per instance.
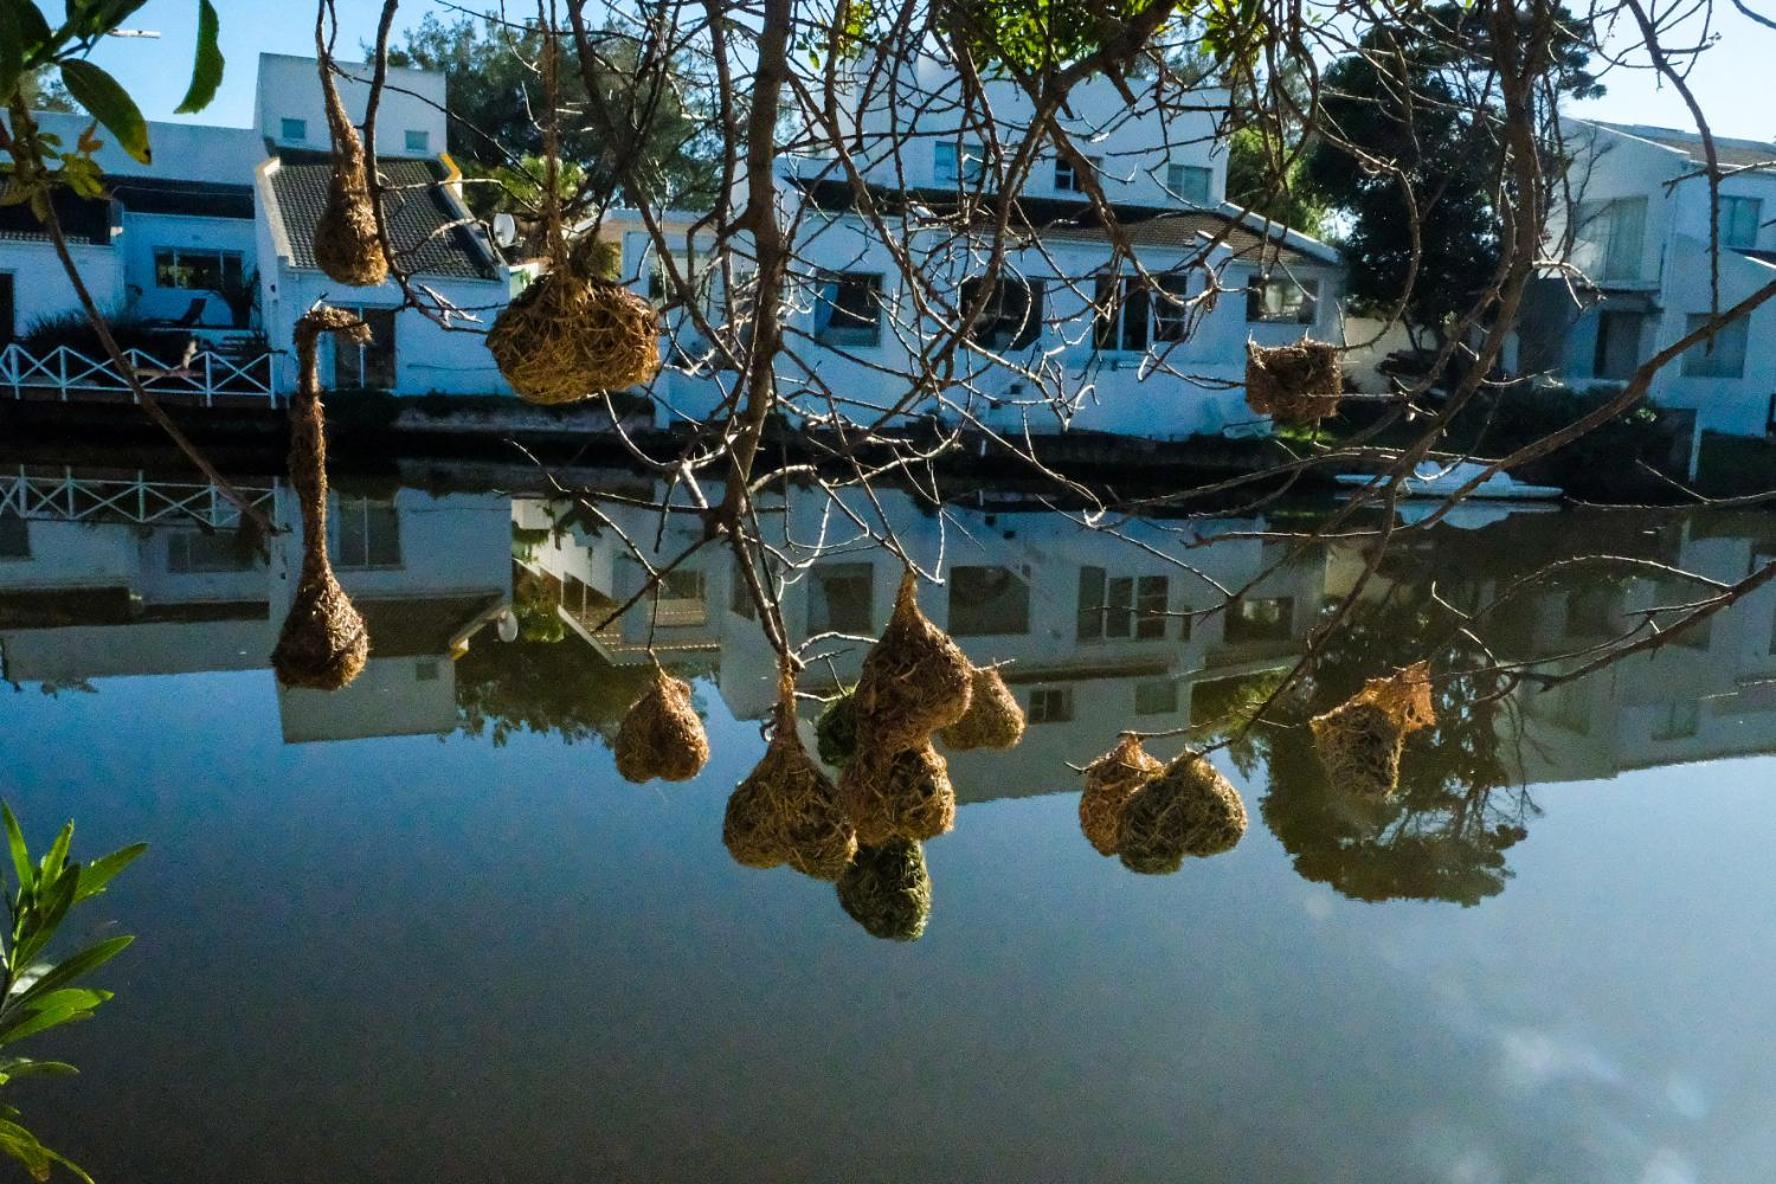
(43, 918)
(42, 1021)
(107, 101)
(21, 855)
(49, 869)
(96, 876)
(206, 69)
(41, 980)
(23, 1146)
(27, 1067)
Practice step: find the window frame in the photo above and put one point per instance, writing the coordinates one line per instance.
(297, 136)
(169, 257)
(421, 135)
(1259, 287)
(819, 577)
(1176, 174)
(962, 623)
(1702, 360)
(826, 306)
(1736, 201)
(374, 316)
(962, 167)
(358, 509)
(1050, 705)
(1002, 329)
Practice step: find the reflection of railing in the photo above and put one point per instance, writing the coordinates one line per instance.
(65, 373)
(59, 496)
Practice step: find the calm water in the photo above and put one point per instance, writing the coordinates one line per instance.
(420, 931)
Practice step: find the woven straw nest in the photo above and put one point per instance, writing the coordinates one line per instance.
(914, 681)
(1190, 809)
(906, 795)
(1110, 781)
(661, 735)
(835, 732)
(993, 718)
(887, 890)
(323, 643)
(1359, 741)
(1296, 383)
(787, 811)
(345, 241)
(570, 335)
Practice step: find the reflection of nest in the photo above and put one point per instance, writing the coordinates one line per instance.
(786, 811)
(835, 732)
(906, 795)
(993, 718)
(1295, 383)
(661, 735)
(914, 680)
(567, 336)
(1110, 781)
(1190, 809)
(887, 890)
(1360, 740)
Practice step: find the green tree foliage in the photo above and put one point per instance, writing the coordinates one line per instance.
(1254, 162)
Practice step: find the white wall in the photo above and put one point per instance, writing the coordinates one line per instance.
(40, 288)
(290, 88)
(143, 233)
(180, 150)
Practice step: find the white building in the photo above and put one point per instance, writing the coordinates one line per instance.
(1640, 250)
(1123, 359)
(213, 241)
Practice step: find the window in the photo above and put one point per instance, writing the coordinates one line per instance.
(841, 598)
(1051, 705)
(1739, 219)
(195, 551)
(1012, 317)
(1723, 357)
(1677, 721)
(1067, 178)
(197, 269)
(295, 130)
(1156, 696)
(419, 141)
(1190, 182)
(1611, 232)
(1594, 612)
(954, 163)
(1113, 607)
(370, 365)
(426, 671)
(1618, 345)
(848, 309)
(1279, 298)
(988, 600)
(15, 537)
(1171, 319)
(367, 533)
(1123, 311)
(1260, 620)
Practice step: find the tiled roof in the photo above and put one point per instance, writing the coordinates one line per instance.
(1730, 153)
(418, 215)
(1058, 218)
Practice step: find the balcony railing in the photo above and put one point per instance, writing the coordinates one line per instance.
(204, 377)
(58, 495)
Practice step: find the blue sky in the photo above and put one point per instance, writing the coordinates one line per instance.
(1725, 80)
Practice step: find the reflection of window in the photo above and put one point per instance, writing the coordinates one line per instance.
(367, 533)
(1724, 358)
(1123, 310)
(1739, 218)
(1158, 696)
(369, 365)
(426, 671)
(1676, 721)
(1614, 230)
(1281, 298)
(1171, 319)
(193, 551)
(1571, 708)
(1067, 178)
(1260, 620)
(1121, 606)
(15, 537)
(1591, 612)
(1051, 705)
(988, 600)
(739, 595)
(1012, 316)
(1618, 345)
(953, 163)
(848, 310)
(841, 598)
(199, 270)
(418, 141)
(1190, 182)
(295, 130)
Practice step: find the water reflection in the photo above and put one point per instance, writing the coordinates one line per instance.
(490, 614)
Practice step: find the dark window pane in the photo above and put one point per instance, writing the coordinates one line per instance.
(1260, 620)
(1156, 697)
(1150, 607)
(15, 537)
(988, 600)
(841, 598)
(1091, 603)
(1119, 600)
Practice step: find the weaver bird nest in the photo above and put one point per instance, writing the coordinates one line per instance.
(323, 643)
(906, 795)
(1189, 809)
(887, 890)
(1297, 383)
(993, 718)
(570, 335)
(835, 732)
(914, 681)
(787, 811)
(346, 245)
(661, 735)
(1110, 781)
(1359, 741)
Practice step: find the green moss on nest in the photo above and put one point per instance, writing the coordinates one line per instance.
(887, 890)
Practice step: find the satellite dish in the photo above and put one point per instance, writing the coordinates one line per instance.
(505, 229)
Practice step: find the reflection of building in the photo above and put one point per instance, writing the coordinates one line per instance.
(100, 579)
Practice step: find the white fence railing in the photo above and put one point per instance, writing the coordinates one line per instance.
(67, 374)
(46, 495)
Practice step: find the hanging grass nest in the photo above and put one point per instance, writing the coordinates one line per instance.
(993, 718)
(835, 732)
(661, 735)
(1360, 740)
(1297, 383)
(1110, 781)
(887, 890)
(323, 643)
(346, 245)
(1189, 809)
(908, 795)
(915, 680)
(787, 811)
(570, 335)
